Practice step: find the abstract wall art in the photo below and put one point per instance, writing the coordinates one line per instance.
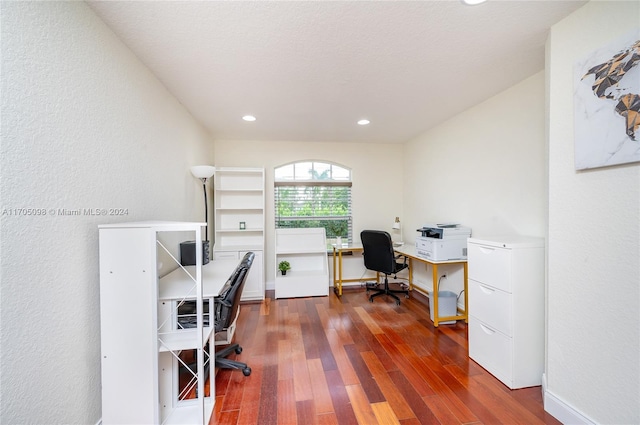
(607, 105)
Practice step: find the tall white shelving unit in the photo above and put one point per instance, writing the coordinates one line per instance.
(306, 251)
(240, 222)
(140, 333)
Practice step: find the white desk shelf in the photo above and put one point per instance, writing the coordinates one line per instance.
(306, 251)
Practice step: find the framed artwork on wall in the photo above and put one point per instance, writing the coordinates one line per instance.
(607, 104)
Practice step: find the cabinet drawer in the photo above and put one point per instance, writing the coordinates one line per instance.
(491, 305)
(491, 349)
(234, 255)
(490, 265)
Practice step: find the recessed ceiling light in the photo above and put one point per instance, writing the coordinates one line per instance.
(473, 2)
(363, 122)
(249, 118)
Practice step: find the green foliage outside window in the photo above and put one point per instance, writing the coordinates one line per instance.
(318, 202)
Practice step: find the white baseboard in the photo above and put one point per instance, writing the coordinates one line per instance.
(562, 410)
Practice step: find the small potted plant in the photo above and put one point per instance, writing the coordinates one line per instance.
(283, 267)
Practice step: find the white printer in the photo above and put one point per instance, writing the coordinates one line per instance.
(442, 242)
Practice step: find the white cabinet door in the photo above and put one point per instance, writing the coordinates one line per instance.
(254, 286)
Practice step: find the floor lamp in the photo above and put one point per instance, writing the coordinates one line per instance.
(187, 249)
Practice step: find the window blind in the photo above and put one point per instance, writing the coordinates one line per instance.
(315, 204)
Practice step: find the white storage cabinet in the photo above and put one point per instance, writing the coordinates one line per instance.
(240, 221)
(506, 308)
(306, 251)
(140, 337)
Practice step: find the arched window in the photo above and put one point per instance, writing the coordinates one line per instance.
(314, 194)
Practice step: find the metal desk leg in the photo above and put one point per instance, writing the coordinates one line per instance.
(410, 274)
(434, 296)
(340, 272)
(466, 293)
(334, 270)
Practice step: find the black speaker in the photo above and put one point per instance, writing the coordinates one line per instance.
(188, 253)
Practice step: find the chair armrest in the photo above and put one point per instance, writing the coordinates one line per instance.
(404, 261)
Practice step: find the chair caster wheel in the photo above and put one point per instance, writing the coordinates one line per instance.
(246, 371)
(238, 350)
(398, 302)
(407, 296)
(370, 300)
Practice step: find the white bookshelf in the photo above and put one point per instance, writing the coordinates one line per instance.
(140, 336)
(240, 222)
(306, 251)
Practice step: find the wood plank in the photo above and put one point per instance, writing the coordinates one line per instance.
(340, 398)
(327, 419)
(419, 407)
(233, 397)
(285, 366)
(229, 417)
(361, 405)
(384, 413)
(320, 389)
(367, 383)
(440, 409)
(267, 414)
(404, 365)
(401, 409)
(349, 376)
(286, 402)
(504, 410)
(301, 378)
(251, 397)
(368, 321)
(306, 412)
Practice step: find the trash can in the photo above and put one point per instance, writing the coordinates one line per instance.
(447, 306)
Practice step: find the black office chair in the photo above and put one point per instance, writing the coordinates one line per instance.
(227, 310)
(380, 257)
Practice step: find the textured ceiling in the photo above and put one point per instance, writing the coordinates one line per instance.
(309, 70)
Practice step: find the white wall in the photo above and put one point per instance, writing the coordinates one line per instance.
(84, 125)
(593, 331)
(377, 179)
(484, 168)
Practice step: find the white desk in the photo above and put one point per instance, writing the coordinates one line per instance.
(174, 285)
(337, 267)
(410, 252)
(172, 289)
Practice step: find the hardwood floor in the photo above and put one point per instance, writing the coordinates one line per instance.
(331, 360)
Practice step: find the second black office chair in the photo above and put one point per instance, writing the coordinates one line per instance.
(379, 256)
(227, 310)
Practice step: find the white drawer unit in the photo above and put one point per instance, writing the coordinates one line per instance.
(506, 308)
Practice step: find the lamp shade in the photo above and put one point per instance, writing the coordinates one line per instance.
(396, 224)
(203, 171)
